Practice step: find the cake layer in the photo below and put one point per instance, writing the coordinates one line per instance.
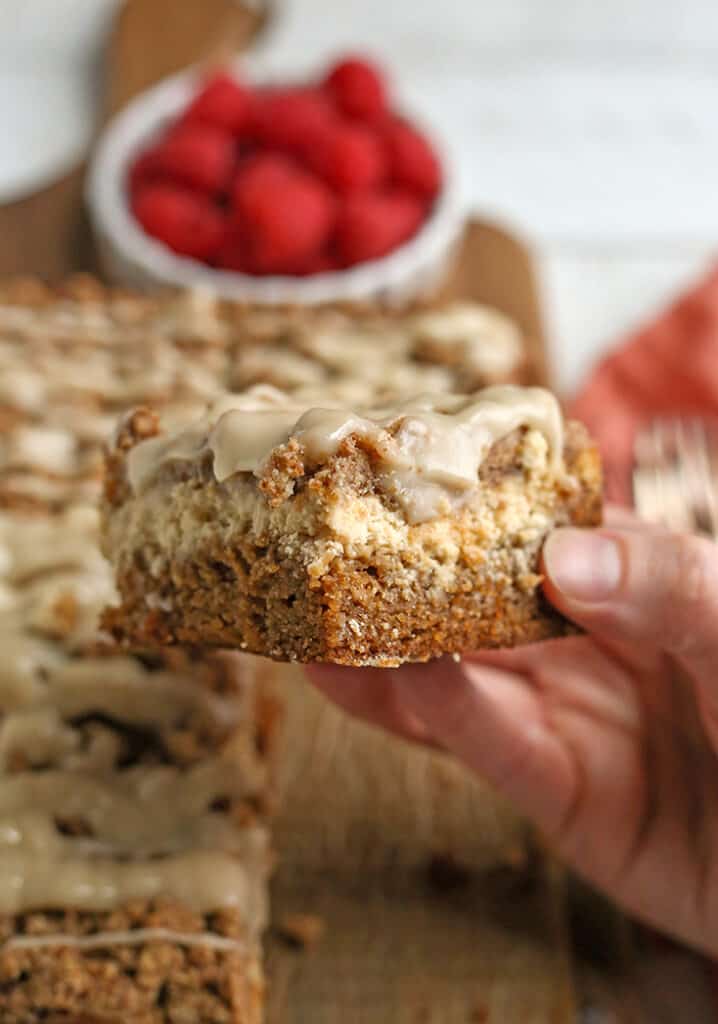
(145, 962)
(364, 356)
(329, 534)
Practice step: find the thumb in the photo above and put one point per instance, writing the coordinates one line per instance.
(654, 593)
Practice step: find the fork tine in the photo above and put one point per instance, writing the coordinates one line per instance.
(654, 475)
(697, 478)
(674, 475)
(674, 493)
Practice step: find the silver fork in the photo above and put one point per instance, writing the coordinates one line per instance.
(675, 475)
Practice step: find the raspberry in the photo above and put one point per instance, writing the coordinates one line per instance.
(232, 253)
(292, 119)
(197, 155)
(412, 161)
(143, 170)
(286, 215)
(371, 225)
(187, 223)
(222, 102)
(258, 174)
(358, 88)
(321, 263)
(351, 159)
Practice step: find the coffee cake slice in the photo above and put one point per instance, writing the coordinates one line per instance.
(134, 792)
(357, 537)
(133, 854)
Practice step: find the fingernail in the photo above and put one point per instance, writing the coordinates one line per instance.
(584, 565)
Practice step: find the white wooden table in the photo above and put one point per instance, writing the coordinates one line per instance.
(589, 128)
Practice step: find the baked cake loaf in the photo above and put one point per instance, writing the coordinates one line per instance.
(310, 533)
(133, 849)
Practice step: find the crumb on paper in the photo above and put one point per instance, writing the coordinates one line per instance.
(301, 930)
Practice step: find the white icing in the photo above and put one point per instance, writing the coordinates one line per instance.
(428, 450)
(133, 937)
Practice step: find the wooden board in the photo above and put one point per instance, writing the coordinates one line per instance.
(155, 38)
(360, 817)
(496, 267)
(398, 951)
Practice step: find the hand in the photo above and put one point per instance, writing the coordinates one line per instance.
(607, 741)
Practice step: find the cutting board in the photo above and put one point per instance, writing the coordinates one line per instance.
(398, 950)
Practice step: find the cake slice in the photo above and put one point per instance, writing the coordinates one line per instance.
(134, 850)
(313, 532)
(133, 854)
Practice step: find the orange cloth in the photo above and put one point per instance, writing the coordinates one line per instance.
(669, 367)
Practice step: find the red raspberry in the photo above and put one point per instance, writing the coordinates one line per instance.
(292, 119)
(358, 88)
(143, 170)
(223, 102)
(412, 161)
(197, 155)
(321, 263)
(232, 253)
(351, 159)
(258, 174)
(286, 215)
(187, 223)
(372, 225)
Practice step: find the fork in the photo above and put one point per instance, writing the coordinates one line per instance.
(675, 475)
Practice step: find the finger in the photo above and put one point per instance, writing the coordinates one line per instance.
(369, 694)
(492, 720)
(655, 594)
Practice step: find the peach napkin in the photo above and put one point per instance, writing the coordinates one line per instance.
(669, 367)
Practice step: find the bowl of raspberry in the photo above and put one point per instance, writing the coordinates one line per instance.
(273, 192)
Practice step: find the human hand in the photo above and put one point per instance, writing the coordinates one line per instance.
(608, 742)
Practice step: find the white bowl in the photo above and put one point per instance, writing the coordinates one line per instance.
(131, 257)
